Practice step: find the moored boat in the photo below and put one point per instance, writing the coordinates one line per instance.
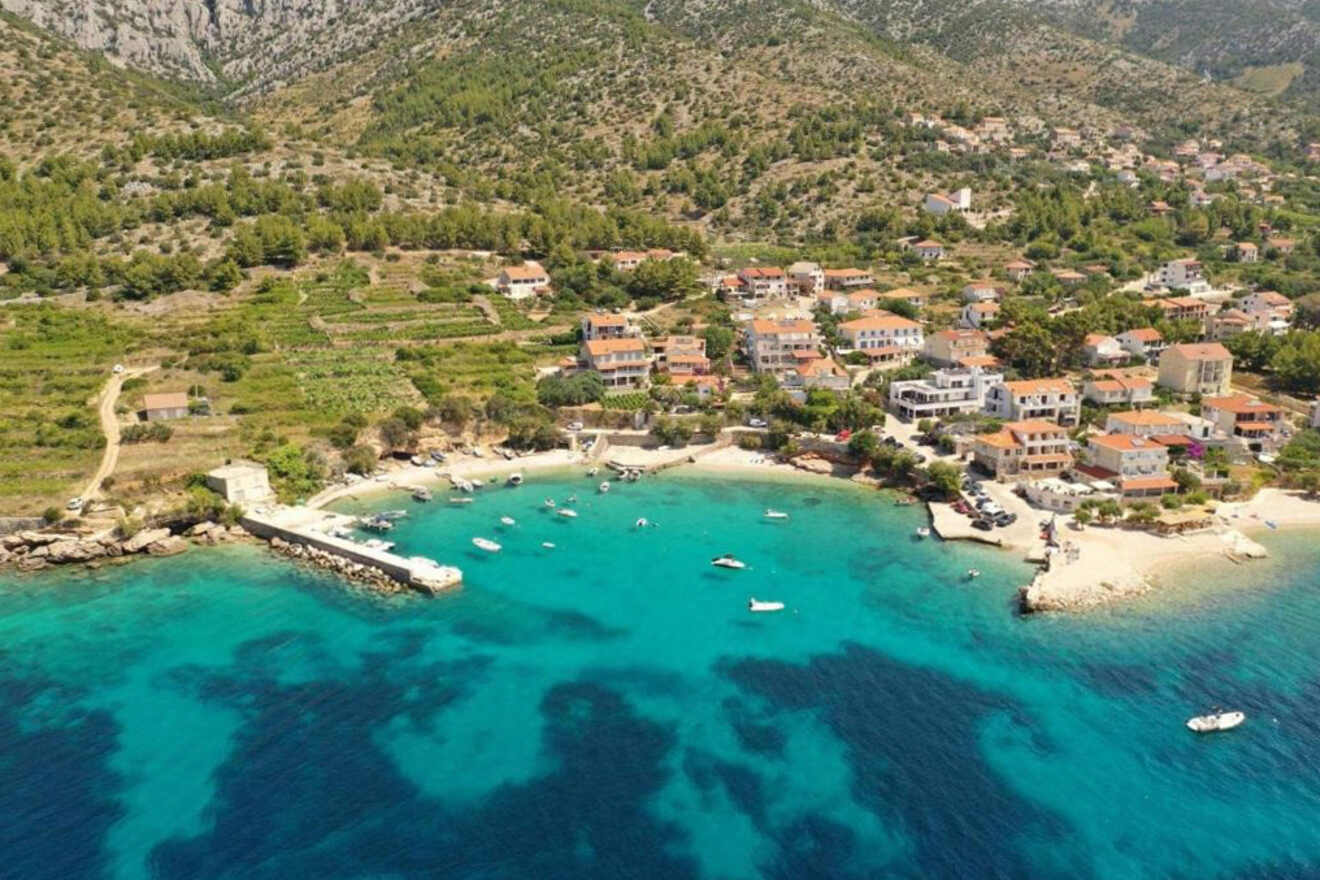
(775, 514)
(507, 520)
(755, 605)
(567, 514)
(973, 573)
(549, 545)
(728, 561)
(604, 487)
(421, 493)
(922, 532)
(515, 479)
(486, 544)
(1216, 721)
(642, 522)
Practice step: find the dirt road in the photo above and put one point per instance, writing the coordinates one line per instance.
(110, 428)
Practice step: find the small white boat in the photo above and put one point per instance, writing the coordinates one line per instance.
(775, 514)
(463, 485)
(728, 561)
(604, 487)
(421, 493)
(486, 544)
(642, 522)
(1216, 721)
(378, 544)
(567, 514)
(923, 532)
(515, 479)
(476, 484)
(973, 573)
(550, 503)
(593, 472)
(506, 520)
(756, 605)
(456, 500)
(549, 545)
(571, 499)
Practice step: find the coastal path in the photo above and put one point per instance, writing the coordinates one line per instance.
(110, 428)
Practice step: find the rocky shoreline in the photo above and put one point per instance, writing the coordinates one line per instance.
(376, 582)
(30, 551)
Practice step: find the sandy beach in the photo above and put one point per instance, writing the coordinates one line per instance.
(1111, 563)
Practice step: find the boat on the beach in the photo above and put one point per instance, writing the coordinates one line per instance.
(515, 479)
(477, 484)
(421, 493)
(775, 514)
(604, 487)
(507, 520)
(922, 532)
(463, 485)
(567, 514)
(486, 544)
(459, 500)
(755, 605)
(728, 561)
(1216, 721)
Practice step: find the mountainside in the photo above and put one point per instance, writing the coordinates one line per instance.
(242, 46)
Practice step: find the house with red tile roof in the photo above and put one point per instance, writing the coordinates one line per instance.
(1034, 399)
(1031, 448)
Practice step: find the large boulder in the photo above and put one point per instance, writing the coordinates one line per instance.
(201, 529)
(139, 542)
(167, 546)
(30, 563)
(37, 539)
(74, 551)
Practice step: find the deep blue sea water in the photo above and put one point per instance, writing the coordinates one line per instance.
(609, 709)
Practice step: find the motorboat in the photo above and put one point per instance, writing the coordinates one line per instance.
(378, 544)
(515, 479)
(486, 544)
(376, 523)
(642, 522)
(463, 485)
(922, 532)
(567, 514)
(550, 503)
(604, 487)
(571, 499)
(775, 514)
(421, 493)
(973, 573)
(755, 605)
(1216, 721)
(392, 514)
(549, 545)
(460, 500)
(728, 561)
(506, 520)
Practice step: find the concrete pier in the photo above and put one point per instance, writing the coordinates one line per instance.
(312, 528)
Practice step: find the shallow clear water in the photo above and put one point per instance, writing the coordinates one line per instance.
(610, 709)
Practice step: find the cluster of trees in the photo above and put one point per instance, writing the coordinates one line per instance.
(295, 472)
(1292, 361)
(144, 432)
(195, 146)
(599, 284)
(575, 390)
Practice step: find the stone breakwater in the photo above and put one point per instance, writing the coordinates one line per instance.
(376, 581)
(34, 551)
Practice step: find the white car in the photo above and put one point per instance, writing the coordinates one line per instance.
(575, 426)
(119, 368)
(756, 423)
(75, 504)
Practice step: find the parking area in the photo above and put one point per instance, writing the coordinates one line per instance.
(1024, 531)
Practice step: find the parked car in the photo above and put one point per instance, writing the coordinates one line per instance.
(119, 368)
(75, 504)
(437, 455)
(575, 426)
(890, 441)
(756, 423)
(982, 524)
(1005, 519)
(843, 436)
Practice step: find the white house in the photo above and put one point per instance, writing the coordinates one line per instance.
(1033, 399)
(1186, 274)
(1269, 311)
(929, 250)
(764, 282)
(942, 393)
(1142, 342)
(981, 291)
(809, 278)
(778, 345)
(1137, 465)
(1110, 388)
(976, 315)
(1097, 349)
(522, 282)
(882, 330)
(941, 204)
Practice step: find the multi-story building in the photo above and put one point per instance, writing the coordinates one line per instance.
(943, 393)
(1261, 426)
(1137, 466)
(950, 348)
(976, 315)
(680, 355)
(1142, 342)
(1146, 423)
(522, 282)
(1107, 388)
(929, 250)
(880, 330)
(764, 282)
(605, 325)
(817, 372)
(1035, 399)
(842, 302)
(771, 344)
(1196, 368)
(1185, 308)
(1185, 274)
(1269, 311)
(848, 279)
(1033, 449)
(982, 291)
(808, 278)
(1097, 348)
(622, 363)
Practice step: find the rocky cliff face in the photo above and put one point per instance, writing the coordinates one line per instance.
(243, 45)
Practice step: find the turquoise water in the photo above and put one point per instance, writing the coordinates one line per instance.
(609, 708)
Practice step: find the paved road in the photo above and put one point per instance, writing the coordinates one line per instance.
(110, 428)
